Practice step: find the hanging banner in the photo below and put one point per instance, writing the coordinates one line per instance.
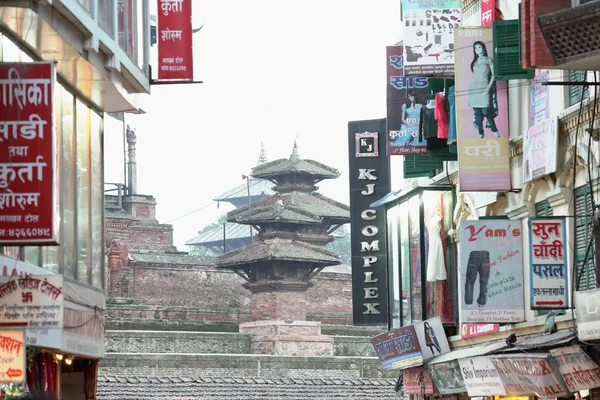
(531, 374)
(587, 309)
(12, 356)
(540, 145)
(488, 12)
(405, 98)
(417, 381)
(482, 115)
(447, 377)
(28, 200)
(432, 338)
(175, 47)
(578, 370)
(539, 109)
(491, 271)
(398, 348)
(549, 270)
(429, 36)
(480, 376)
(369, 181)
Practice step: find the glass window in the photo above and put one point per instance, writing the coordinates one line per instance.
(105, 8)
(414, 236)
(67, 187)
(83, 192)
(394, 262)
(405, 250)
(126, 26)
(31, 255)
(97, 202)
(87, 5)
(10, 51)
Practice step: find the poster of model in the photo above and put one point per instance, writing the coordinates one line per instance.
(429, 36)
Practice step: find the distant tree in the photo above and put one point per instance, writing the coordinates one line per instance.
(341, 244)
(205, 251)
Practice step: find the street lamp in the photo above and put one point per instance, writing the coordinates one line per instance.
(247, 178)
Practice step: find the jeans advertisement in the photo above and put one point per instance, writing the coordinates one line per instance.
(491, 271)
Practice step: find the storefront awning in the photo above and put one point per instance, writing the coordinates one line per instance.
(471, 351)
(391, 196)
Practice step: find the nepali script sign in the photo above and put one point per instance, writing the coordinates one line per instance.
(578, 370)
(35, 301)
(27, 151)
(398, 348)
(175, 55)
(548, 262)
(12, 356)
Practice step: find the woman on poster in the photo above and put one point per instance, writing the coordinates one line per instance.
(431, 340)
(482, 90)
(411, 113)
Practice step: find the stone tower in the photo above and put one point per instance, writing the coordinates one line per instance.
(293, 226)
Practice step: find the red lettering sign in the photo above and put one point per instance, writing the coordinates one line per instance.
(175, 55)
(27, 200)
(472, 330)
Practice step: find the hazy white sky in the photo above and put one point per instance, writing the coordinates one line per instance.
(273, 70)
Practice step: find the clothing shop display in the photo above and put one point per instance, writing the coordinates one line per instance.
(452, 115)
(479, 263)
(441, 116)
(436, 265)
(428, 127)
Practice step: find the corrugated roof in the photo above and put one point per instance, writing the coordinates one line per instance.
(258, 188)
(278, 249)
(313, 203)
(111, 387)
(215, 235)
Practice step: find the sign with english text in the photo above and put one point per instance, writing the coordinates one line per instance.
(531, 374)
(27, 155)
(549, 269)
(481, 115)
(398, 349)
(578, 370)
(417, 381)
(12, 356)
(175, 47)
(491, 271)
(539, 109)
(540, 145)
(406, 96)
(473, 330)
(34, 301)
(429, 36)
(369, 181)
(587, 308)
(447, 377)
(480, 376)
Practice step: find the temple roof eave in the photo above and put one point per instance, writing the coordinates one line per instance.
(284, 166)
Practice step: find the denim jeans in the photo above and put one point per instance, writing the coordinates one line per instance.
(479, 263)
(479, 114)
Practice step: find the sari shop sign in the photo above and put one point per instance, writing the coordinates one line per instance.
(491, 271)
(447, 377)
(548, 261)
(12, 356)
(481, 377)
(175, 47)
(533, 374)
(417, 381)
(35, 301)
(369, 181)
(27, 165)
(398, 348)
(578, 370)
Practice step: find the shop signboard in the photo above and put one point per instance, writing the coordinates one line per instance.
(432, 338)
(28, 200)
(491, 271)
(175, 46)
(398, 349)
(587, 308)
(12, 356)
(549, 270)
(34, 301)
(578, 370)
(472, 330)
(531, 374)
(539, 109)
(481, 377)
(540, 145)
(417, 381)
(447, 377)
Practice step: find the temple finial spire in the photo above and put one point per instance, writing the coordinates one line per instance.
(295, 153)
(262, 157)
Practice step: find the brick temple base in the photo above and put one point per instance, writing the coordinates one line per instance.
(289, 338)
(287, 306)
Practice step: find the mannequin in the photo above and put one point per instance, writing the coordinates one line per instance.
(436, 266)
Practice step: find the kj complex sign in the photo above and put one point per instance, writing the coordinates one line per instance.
(369, 181)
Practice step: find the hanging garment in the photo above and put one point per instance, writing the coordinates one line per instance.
(441, 116)
(436, 266)
(452, 112)
(428, 128)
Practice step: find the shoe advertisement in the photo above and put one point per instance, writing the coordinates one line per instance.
(405, 98)
(482, 114)
(429, 36)
(491, 271)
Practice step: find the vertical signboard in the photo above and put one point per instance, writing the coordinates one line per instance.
(12, 356)
(481, 377)
(27, 154)
(539, 109)
(175, 47)
(406, 96)
(549, 270)
(429, 36)
(398, 348)
(488, 12)
(482, 115)
(491, 271)
(540, 145)
(369, 181)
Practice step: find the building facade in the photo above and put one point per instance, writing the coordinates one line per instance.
(99, 53)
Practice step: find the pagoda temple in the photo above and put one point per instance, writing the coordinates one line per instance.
(293, 226)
